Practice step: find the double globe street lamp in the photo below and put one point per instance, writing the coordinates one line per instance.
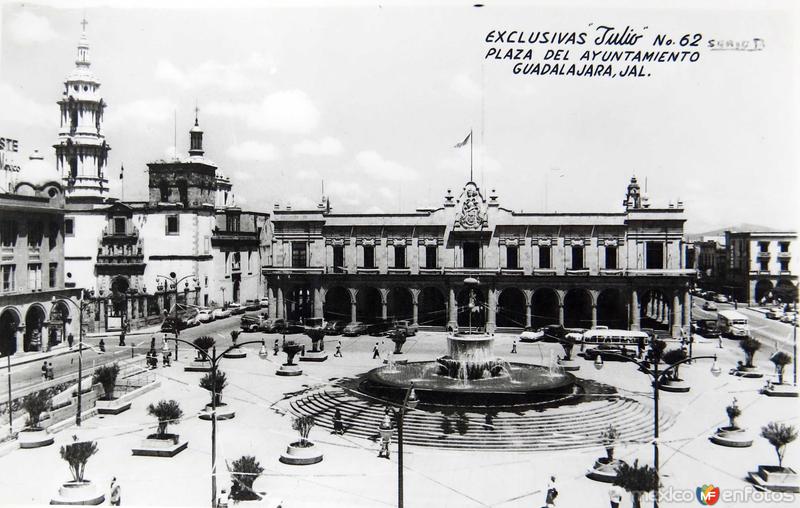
(410, 401)
(658, 377)
(172, 284)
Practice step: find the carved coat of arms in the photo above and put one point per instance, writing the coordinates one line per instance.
(471, 215)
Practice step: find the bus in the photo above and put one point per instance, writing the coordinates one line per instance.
(614, 337)
(732, 324)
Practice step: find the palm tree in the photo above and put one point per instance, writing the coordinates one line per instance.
(166, 411)
(215, 385)
(77, 455)
(204, 343)
(303, 424)
(780, 360)
(245, 471)
(749, 345)
(106, 375)
(35, 404)
(779, 435)
(637, 480)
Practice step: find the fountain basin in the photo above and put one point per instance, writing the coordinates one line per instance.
(519, 384)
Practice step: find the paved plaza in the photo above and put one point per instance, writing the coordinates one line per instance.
(351, 473)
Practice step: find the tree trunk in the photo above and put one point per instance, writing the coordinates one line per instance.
(636, 501)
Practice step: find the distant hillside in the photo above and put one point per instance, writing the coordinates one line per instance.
(736, 229)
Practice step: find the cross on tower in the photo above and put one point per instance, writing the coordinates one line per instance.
(196, 112)
(84, 23)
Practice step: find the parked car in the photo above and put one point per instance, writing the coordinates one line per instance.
(721, 299)
(252, 322)
(775, 313)
(192, 321)
(709, 306)
(411, 328)
(334, 327)
(608, 352)
(402, 328)
(315, 323)
(789, 317)
(204, 315)
(292, 327)
(555, 333)
(379, 327)
(354, 329)
(264, 302)
(235, 309)
(172, 323)
(220, 313)
(707, 328)
(251, 305)
(530, 335)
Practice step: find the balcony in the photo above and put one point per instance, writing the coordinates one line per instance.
(784, 255)
(362, 269)
(763, 255)
(471, 271)
(512, 271)
(610, 272)
(125, 237)
(577, 272)
(286, 270)
(544, 271)
(399, 271)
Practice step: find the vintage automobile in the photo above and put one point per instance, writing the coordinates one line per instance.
(354, 329)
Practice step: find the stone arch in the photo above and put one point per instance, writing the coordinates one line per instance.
(763, 290)
(299, 303)
(400, 303)
(578, 308)
(337, 304)
(58, 319)
(611, 309)
(9, 326)
(544, 307)
(475, 317)
(119, 288)
(654, 309)
(511, 308)
(34, 322)
(369, 303)
(432, 307)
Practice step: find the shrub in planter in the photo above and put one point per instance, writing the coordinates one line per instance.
(672, 357)
(732, 435)
(77, 455)
(235, 336)
(779, 435)
(609, 438)
(106, 375)
(780, 360)
(245, 471)
(303, 425)
(750, 346)
(637, 480)
(205, 343)
(35, 404)
(215, 385)
(304, 451)
(166, 412)
(733, 412)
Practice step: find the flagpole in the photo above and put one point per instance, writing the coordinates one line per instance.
(470, 155)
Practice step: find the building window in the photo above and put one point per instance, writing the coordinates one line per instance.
(763, 246)
(472, 255)
(784, 265)
(577, 257)
(763, 265)
(544, 257)
(338, 259)
(35, 277)
(399, 256)
(35, 234)
(163, 189)
(119, 225)
(173, 225)
(784, 246)
(299, 259)
(611, 258)
(369, 256)
(430, 256)
(53, 275)
(232, 222)
(236, 262)
(183, 192)
(69, 227)
(8, 233)
(7, 272)
(654, 255)
(512, 256)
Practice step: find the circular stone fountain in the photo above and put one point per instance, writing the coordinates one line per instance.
(470, 374)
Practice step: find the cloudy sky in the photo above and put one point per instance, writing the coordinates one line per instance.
(372, 97)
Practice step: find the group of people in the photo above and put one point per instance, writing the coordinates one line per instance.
(47, 371)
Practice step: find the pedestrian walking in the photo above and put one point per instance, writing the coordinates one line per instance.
(275, 348)
(153, 342)
(44, 371)
(116, 497)
(376, 352)
(222, 500)
(514, 348)
(552, 492)
(338, 349)
(615, 495)
(719, 345)
(166, 358)
(70, 340)
(303, 350)
(122, 337)
(338, 424)
(50, 371)
(102, 345)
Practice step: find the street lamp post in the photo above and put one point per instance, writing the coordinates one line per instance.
(409, 402)
(173, 281)
(214, 358)
(657, 377)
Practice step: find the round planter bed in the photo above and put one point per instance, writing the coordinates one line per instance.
(747, 372)
(780, 390)
(78, 493)
(298, 455)
(732, 437)
(289, 370)
(224, 412)
(236, 352)
(676, 386)
(168, 446)
(604, 470)
(34, 438)
(314, 356)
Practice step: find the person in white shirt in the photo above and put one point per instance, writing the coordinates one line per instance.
(615, 495)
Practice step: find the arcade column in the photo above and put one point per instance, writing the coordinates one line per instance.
(491, 319)
(452, 309)
(634, 321)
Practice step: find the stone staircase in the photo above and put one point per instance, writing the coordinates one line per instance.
(571, 427)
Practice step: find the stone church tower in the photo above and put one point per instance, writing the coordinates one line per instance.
(82, 151)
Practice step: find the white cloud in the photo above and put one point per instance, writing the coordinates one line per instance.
(29, 28)
(242, 175)
(140, 114)
(24, 111)
(348, 193)
(253, 151)
(465, 86)
(301, 202)
(375, 166)
(325, 146)
(170, 153)
(386, 193)
(235, 76)
(289, 111)
(374, 209)
(306, 174)
(458, 162)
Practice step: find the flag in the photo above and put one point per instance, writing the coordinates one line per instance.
(121, 171)
(459, 145)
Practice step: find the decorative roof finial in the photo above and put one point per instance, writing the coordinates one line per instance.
(84, 22)
(196, 112)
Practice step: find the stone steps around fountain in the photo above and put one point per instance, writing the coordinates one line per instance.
(519, 432)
